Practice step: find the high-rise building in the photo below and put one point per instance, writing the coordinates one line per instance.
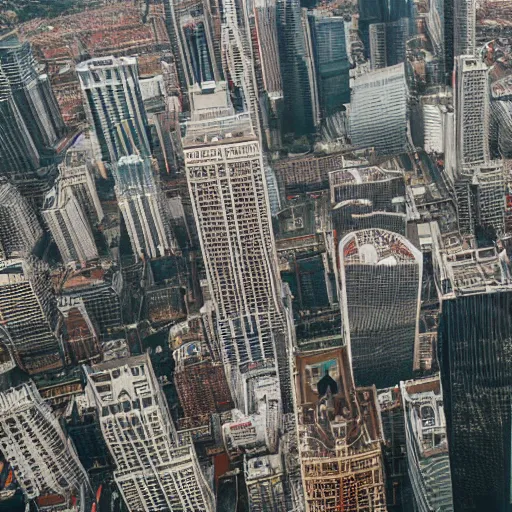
(472, 111)
(331, 61)
(381, 276)
(76, 173)
(427, 444)
(464, 27)
(474, 350)
(29, 314)
(154, 470)
(194, 30)
(339, 436)
(364, 197)
(32, 94)
(140, 202)
(114, 108)
(264, 477)
(388, 43)
(379, 111)
(297, 68)
(227, 185)
(46, 465)
(69, 226)
(19, 228)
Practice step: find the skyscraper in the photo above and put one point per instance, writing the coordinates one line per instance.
(154, 471)
(300, 102)
(464, 27)
(140, 203)
(472, 111)
(69, 226)
(379, 111)
(381, 292)
(19, 228)
(33, 442)
(427, 444)
(331, 61)
(114, 108)
(475, 347)
(32, 94)
(29, 314)
(227, 185)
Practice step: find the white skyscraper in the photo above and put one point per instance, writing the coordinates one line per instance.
(33, 442)
(227, 184)
(154, 471)
(140, 203)
(472, 111)
(69, 226)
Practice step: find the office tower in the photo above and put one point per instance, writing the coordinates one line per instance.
(46, 465)
(114, 108)
(472, 111)
(394, 450)
(69, 226)
(194, 31)
(300, 102)
(365, 197)
(101, 291)
(381, 293)
(19, 157)
(474, 350)
(29, 314)
(339, 436)
(331, 61)
(141, 205)
(76, 173)
(480, 193)
(388, 43)
(226, 179)
(154, 471)
(379, 116)
(464, 27)
(378, 48)
(32, 94)
(427, 444)
(19, 228)
(80, 334)
(200, 381)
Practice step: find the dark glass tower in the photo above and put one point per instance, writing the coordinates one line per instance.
(475, 353)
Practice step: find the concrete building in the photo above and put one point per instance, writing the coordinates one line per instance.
(69, 226)
(427, 444)
(114, 108)
(226, 179)
(472, 111)
(77, 173)
(365, 197)
(140, 202)
(19, 228)
(29, 315)
(46, 465)
(379, 111)
(381, 276)
(154, 471)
